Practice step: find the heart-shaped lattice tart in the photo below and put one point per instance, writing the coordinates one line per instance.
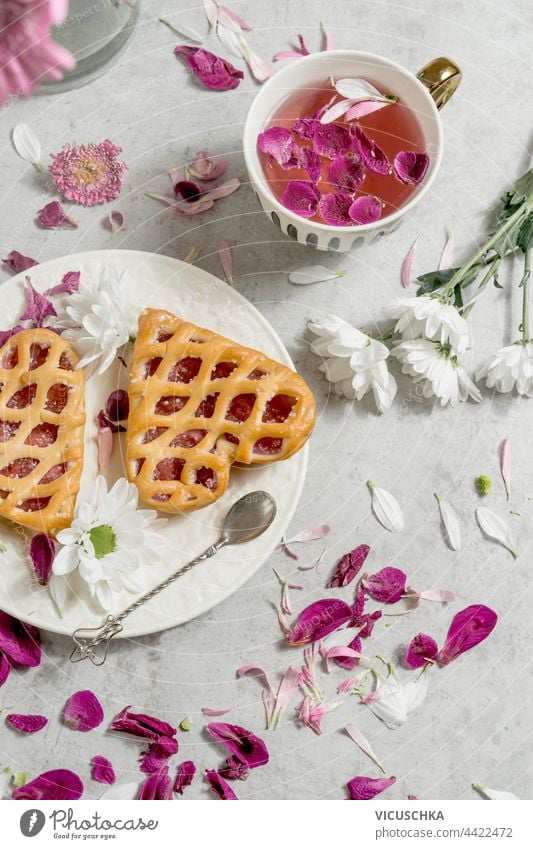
(200, 402)
(42, 414)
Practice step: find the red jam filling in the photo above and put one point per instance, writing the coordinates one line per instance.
(222, 370)
(54, 473)
(152, 433)
(7, 430)
(170, 404)
(185, 370)
(207, 477)
(20, 467)
(169, 469)
(207, 406)
(188, 439)
(240, 407)
(278, 408)
(32, 505)
(152, 366)
(10, 358)
(268, 445)
(42, 435)
(23, 397)
(38, 355)
(57, 397)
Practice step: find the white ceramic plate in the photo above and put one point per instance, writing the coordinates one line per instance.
(193, 294)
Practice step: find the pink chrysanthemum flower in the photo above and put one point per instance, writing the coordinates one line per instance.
(28, 54)
(88, 173)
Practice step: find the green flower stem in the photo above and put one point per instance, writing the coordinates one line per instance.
(492, 272)
(525, 296)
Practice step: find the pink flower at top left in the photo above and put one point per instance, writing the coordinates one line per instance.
(28, 54)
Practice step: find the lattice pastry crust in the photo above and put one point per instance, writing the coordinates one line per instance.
(42, 417)
(200, 402)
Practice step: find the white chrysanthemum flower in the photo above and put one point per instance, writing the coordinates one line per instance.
(108, 541)
(437, 369)
(510, 368)
(353, 362)
(101, 319)
(431, 317)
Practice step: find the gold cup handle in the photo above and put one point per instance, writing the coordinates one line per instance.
(442, 78)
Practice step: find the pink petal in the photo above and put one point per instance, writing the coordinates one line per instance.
(220, 787)
(213, 71)
(311, 162)
(114, 221)
(407, 265)
(56, 784)
(37, 306)
(83, 711)
(157, 787)
(329, 41)
(362, 788)
(233, 16)
(346, 685)
(300, 197)
(17, 262)
(260, 68)
(226, 260)
(310, 534)
(318, 620)
(335, 209)
(53, 217)
(387, 585)
(349, 658)
(205, 168)
(278, 143)
(366, 209)
(245, 746)
(346, 173)
(303, 47)
(468, 628)
(157, 755)
(410, 167)
(105, 445)
(360, 740)
(287, 54)
(364, 108)
(20, 643)
(444, 596)
(374, 158)
(314, 564)
(447, 255)
(42, 553)
(102, 770)
(27, 723)
(421, 650)
(342, 653)
(142, 725)
(70, 283)
(223, 190)
(505, 465)
(184, 777)
(221, 711)
(348, 566)
(331, 140)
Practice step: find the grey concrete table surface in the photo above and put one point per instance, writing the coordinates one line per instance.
(474, 725)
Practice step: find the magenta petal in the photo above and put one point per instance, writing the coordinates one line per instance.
(300, 197)
(278, 143)
(27, 723)
(52, 217)
(5, 668)
(234, 769)
(158, 754)
(213, 71)
(420, 651)
(410, 167)
(42, 553)
(247, 747)
(362, 788)
(17, 262)
(366, 209)
(350, 662)
(37, 306)
(142, 725)
(305, 127)
(186, 190)
(118, 405)
(374, 158)
(311, 162)
(335, 209)
(5, 335)
(184, 777)
(318, 620)
(331, 140)
(220, 787)
(387, 585)
(57, 784)
(368, 621)
(348, 566)
(19, 642)
(469, 627)
(102, 770)
(346, 173)
(83, 711)
(70, 283)
(157, 787)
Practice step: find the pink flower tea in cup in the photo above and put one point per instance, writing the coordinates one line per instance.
(343, 153)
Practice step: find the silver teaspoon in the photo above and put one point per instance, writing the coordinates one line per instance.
(247, 519)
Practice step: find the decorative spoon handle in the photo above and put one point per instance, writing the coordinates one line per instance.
(88, 639)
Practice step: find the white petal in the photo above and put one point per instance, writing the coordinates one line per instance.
(230, 40)
(358, 89)
(494, 794)
(124, 792)
(59, 589)
(66, 560)
(451, 523)
(495, 528)
(386, 509)
(313, 274)
(336, 111)
(27, 144)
